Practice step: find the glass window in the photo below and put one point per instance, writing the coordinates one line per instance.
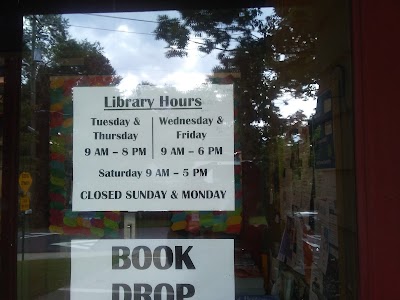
(201, 154)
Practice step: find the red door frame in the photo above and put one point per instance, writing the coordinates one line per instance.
(376, 76)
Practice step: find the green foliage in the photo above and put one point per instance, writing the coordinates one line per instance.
(273, 53)
(80, 58)
(60, 55)
(176, 35)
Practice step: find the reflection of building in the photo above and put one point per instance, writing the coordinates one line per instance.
(322, 133)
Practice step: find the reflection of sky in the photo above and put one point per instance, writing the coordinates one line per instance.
(137, 56)
(295, 104)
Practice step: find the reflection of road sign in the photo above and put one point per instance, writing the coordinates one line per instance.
(24, 202)
(25, 181)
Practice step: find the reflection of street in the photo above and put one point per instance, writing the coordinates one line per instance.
(39, 245)
(38, 241)
(43, 245)
(47, 245)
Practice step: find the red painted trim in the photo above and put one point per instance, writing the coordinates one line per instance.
(376, 79)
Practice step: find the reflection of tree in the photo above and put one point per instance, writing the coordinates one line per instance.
(273, 53)
(49, 51)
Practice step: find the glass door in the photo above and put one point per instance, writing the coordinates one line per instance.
(186, 154)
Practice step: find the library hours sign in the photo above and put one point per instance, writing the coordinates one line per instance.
(155, 149)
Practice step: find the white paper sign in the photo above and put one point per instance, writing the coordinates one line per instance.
(150, 269)
(158, 149)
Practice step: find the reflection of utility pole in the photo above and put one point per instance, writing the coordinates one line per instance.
(33, 123)
(33, 74)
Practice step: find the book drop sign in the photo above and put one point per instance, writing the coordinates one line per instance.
(155, 149)
(171, 269)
